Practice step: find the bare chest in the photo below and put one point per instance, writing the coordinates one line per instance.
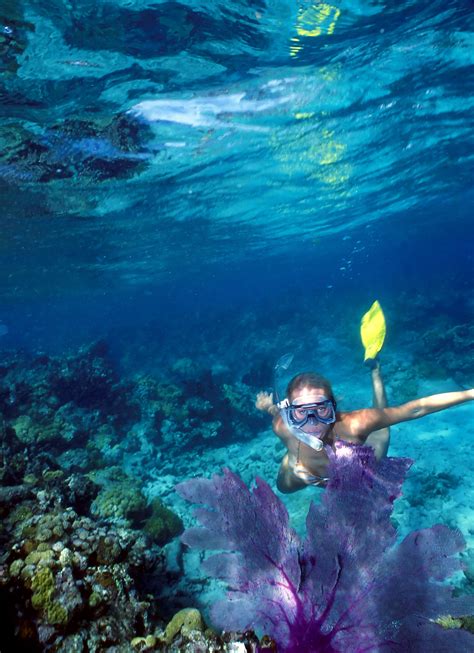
(315, 462)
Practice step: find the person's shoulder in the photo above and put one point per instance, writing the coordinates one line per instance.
(350, 415)
(345, 416)
(353, 423)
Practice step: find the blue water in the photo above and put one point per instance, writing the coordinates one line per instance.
(204, 180)
(174, 172)
(163, 157)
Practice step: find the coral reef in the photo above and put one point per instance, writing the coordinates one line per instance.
(81, 544)
(72, 583)
(77, 411)
(183, 622)
(85, 415)
(451, 350)
(70, 579)
(163, 524)
(194, 407)
(120, 498)
(437, 485)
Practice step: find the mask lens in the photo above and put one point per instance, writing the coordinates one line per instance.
(301, 413)
(322, 412)
(325, 411)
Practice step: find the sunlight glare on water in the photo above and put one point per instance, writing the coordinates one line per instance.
(147, 132)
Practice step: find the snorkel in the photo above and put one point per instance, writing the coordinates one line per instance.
(308, 422)
(282, 364)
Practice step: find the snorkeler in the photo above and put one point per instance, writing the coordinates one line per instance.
(308, 424)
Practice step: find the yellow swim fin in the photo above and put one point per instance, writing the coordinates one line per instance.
(372, 331)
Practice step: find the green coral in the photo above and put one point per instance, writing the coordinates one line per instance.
(16, 567)
(144, 643)
(51, 476)
(163, 524)
(468, 623)
(95, 599)
(171, 401)
(183, 622)
(239, 396)
(448, 622)
(25, 429)
(20, 514)
(120, 500)
(43, 587)
(29, 431)
(36, 557)
(102, 439)
(57, 614)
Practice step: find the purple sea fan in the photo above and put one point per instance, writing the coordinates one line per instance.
(348, 587)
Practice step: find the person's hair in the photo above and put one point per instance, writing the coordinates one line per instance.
(309, 380)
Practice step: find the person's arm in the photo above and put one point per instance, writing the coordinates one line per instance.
(365, 421)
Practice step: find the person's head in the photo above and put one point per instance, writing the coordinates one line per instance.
(311, 408)
(309, 383)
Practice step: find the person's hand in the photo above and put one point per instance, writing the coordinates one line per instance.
(264, 401)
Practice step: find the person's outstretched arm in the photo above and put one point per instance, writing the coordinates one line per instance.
(372, 419)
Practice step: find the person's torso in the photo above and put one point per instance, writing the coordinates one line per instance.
(315, 462)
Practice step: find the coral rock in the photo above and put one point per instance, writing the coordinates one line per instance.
(184, 621)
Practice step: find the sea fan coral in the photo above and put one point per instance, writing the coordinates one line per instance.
(349, 586)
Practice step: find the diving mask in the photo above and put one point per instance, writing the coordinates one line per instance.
(309, 422)
(321, 411)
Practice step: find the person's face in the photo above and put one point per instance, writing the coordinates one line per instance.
(307, 395)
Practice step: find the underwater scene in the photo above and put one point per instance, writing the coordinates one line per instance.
(236, 326)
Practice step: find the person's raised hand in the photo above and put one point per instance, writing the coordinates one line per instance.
(264, 401)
